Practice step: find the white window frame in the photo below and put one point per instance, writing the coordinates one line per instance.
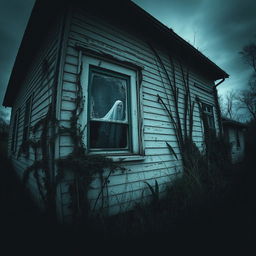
(15, 131)
(134, 152)
(211, 114)
(27, 115)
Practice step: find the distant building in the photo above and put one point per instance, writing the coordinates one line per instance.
(234, 133)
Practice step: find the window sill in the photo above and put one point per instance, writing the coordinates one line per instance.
(127, 158)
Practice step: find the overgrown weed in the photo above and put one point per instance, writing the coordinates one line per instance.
(198, 189)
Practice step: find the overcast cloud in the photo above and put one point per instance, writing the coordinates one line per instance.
(219, 29)
(14, 16)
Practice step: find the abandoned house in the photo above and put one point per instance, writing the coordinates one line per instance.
(234, 134)
(99, 84)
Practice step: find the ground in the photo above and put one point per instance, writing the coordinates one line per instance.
(228, 225)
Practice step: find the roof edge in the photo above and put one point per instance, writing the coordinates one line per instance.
(42, 6)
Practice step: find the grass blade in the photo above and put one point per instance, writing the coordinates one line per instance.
(171, 150)
(151, 188)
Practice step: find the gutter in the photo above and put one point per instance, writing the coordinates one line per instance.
(218, 106)
(222, 80)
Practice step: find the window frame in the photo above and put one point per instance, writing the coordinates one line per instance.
(94, 69)
(27, 115)
(133, 98)
(209, 114)
(15, 130)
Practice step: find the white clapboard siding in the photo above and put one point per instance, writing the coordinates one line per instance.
(114, 36)
(126, 188)
(38, 86)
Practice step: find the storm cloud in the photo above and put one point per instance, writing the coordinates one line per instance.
(219, 29)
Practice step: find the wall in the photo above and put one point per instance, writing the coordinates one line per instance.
(37, 84)
(237, 153)
(125, 189)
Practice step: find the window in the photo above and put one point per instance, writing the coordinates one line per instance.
(109, 118)
(237, 139)
(27, 120)
(15, 131)
(111, 114)
(208, 117)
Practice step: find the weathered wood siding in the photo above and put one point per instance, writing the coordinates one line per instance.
(237, 152)
(124, 189)
(37, 85)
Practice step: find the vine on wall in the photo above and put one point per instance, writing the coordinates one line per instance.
(41, 165)
(183, 131)
(216, 150)
(83, 167)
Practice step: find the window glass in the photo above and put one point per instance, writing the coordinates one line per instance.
(108, 135)
(108, 97)
(208, 113)
(210, 121)
(109, 126)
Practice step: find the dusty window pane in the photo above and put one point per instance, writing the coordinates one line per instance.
(109, 127)
(108, 135)
(209, 109)
(208, 114)
(108, 98)
(211, 122)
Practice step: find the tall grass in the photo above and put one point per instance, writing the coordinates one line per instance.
(201, 187)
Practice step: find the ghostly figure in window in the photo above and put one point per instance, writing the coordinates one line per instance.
(113, 134)
(116, 112)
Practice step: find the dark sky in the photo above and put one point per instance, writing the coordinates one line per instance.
(14, 16)
(219, 29)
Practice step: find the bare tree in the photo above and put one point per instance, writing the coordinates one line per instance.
(231, 106)
(247, 100)
(249, 55)
(228, 104)
(247, 97)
